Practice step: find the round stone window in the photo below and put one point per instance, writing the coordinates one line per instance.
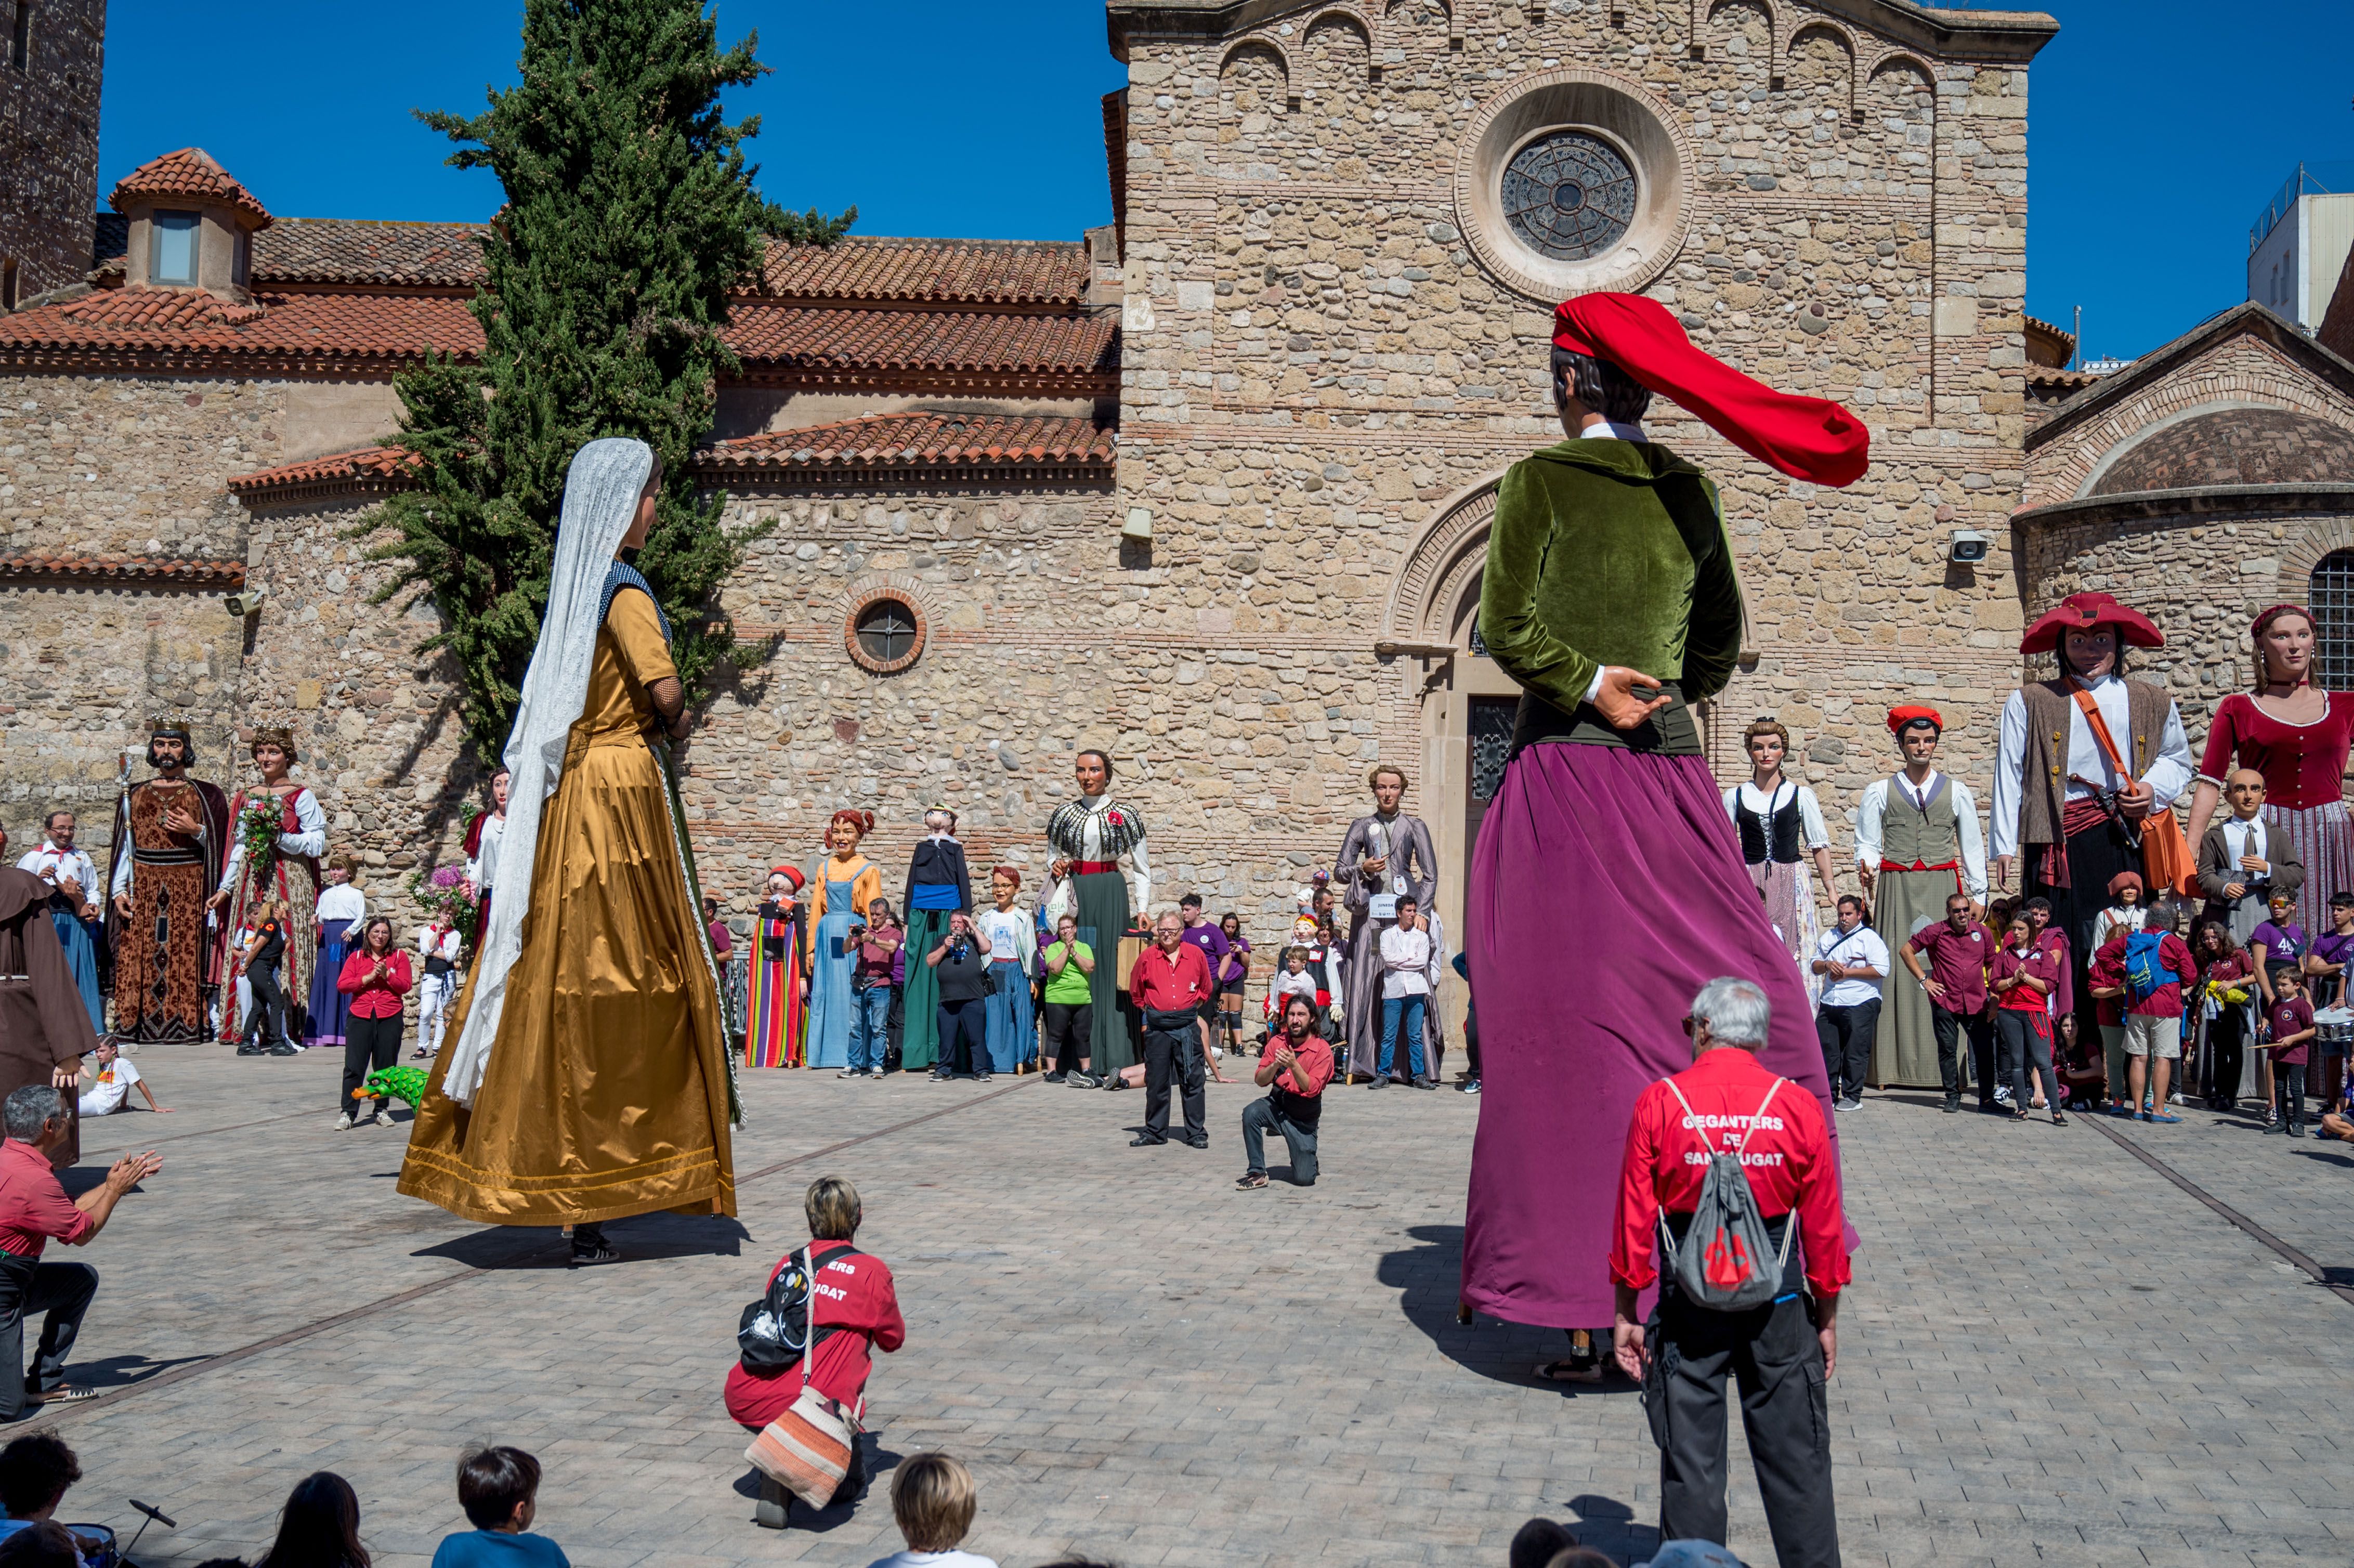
(884, 633)
(1570, 181)
(1568, 195)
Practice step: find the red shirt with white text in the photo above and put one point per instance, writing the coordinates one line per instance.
(853, 1294)
(1788, 1159)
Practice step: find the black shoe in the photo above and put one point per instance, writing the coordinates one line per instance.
(981, 1078)
(1953, 1104)
(284, 1050)
(940, 1077)
(1200, 1142)
(1116, 1081)
(250, 1050)
(1380, 1080)
(1425, 1083)
(1146, 1141)
(588, 1247)
(1057, 1078)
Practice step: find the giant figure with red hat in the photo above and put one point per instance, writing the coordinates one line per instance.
(2081, 764)
(1610, 596)
(1916, 844)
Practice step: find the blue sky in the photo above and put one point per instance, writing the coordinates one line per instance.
(2158, 129)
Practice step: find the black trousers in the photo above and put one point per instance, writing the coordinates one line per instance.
(2027, 1051)
(1846, 1036)
(894, 1026)
(1772, 1354)
(372, 1044)
(1471, 1039)
(964, 1034)
(1070, 1030)
(2227, 1042)
(1172, 1052)
(2094, 856)
(1950, 1029)
(2288, 1089)
(63, 1290)
(269, 1007)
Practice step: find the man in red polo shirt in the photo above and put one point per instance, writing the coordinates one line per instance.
(1960, 949)
(1781, 1353)
(1168, 985)
(34, 1209)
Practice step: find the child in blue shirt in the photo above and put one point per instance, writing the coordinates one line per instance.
(499, 1490)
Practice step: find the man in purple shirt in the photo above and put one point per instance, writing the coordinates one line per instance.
(1960, 949)
(1206, 935)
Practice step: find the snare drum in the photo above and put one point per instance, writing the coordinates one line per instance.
(97, 1545)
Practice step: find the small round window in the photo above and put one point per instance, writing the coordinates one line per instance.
(886, 633)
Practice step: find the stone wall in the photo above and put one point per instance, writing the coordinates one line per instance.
(1311, 348)
(48, 143)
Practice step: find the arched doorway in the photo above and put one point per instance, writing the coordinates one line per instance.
(1467, 704)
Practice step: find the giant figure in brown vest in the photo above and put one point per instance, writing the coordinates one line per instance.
(2080, 765)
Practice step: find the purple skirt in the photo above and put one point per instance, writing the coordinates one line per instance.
(1606, 888)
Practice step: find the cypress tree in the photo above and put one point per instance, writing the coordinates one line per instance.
(631, 214)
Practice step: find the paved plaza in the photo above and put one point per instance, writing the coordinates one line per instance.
(2051, 1354)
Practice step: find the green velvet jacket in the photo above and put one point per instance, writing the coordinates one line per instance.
(1609, 552)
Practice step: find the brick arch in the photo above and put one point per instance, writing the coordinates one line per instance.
(1451, 548)
(1261, 46)
(1705, 24)
(1901, 59)
(1819, 27)
(1347, 17)
(2321, 537)
(2242, 371)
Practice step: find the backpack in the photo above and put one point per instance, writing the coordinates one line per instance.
(2145, 973)
(773, 1332)
(1716, 1264)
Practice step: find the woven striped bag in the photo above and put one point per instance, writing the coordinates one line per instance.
(806, 1450)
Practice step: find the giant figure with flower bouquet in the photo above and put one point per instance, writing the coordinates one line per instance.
(278, 833)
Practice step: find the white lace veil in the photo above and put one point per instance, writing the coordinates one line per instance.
(600, 497)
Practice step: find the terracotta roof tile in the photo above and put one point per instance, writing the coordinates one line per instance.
(923, 441)
(165, 329)
(364, 250)
(189, 173)
(126, 570)
(369, 466)
(1006, 272)
(839, 344)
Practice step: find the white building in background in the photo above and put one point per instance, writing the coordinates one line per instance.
(2299, 244)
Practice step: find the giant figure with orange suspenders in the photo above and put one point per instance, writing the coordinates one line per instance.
(1916, 843)
(2085, 768)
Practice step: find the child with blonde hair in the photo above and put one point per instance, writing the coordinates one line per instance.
(933, 1498)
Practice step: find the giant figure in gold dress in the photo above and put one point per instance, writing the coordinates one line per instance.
(586, 1078)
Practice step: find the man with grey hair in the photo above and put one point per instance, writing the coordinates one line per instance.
(1780, 1354)
(34, 1209)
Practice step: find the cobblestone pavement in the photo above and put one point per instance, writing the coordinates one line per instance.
(2051, 1353)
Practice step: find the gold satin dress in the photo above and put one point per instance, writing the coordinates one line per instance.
(607, 1093)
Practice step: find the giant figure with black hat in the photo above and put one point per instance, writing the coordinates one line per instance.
(170, 848)
(1918, 843)
(1607, 885)
(2081, 764)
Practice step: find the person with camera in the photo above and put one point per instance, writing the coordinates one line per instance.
(960, 965)
(852, 1310)
(1168, 985)
(875, 943)
(35, 1210)
(1293, 1068)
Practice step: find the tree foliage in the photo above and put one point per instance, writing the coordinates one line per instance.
(630, 215)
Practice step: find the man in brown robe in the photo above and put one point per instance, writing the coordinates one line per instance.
(171, 846)
(44, 1027)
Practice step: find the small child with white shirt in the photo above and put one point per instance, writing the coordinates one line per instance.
(933, 1499)
(113, 1077)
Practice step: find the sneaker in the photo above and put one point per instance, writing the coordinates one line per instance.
(2002, 1094)
(1470, 1086)
(1848, 1103)
(286, 1050)
(1058, 1077)
(940, 1077)
(1425, 1083)
(1953, 1104)
(1082, 1080)
(344, 1122)
(383, 1119)
(981, 1078)
(1381, 1081)
(852, 1073)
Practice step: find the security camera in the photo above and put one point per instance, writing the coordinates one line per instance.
(242, 605)
(1968, 547)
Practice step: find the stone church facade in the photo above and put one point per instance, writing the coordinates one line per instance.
(1208, 487)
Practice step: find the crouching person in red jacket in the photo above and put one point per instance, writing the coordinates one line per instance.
(854, 1310)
